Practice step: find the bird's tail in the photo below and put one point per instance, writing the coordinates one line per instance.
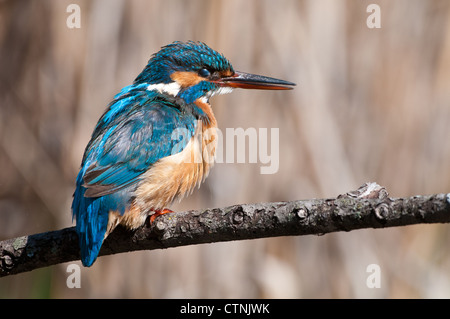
(91, 223)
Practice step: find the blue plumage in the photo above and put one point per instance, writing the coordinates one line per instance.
(179, 56)
(131, 167)
(135, 132)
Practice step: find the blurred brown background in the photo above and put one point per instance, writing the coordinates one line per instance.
(370, 105)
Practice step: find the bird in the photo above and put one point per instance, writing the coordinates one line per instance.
(143, 152)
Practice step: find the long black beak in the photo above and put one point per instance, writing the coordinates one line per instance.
(252, 81)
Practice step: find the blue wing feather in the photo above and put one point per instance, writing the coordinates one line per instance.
(132, 141)
(135, 132)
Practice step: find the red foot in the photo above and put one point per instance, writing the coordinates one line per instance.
(159, 212)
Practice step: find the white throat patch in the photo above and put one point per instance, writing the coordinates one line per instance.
(218, 91)
(174, 88)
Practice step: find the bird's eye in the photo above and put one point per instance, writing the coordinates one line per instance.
(204, 73)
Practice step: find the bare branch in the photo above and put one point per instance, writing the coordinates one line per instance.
(368, 207)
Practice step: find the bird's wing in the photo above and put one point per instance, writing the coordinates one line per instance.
(125, 145)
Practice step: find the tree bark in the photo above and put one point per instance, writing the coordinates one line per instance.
(367, 207)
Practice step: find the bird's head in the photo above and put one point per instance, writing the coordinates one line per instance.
(192, 70)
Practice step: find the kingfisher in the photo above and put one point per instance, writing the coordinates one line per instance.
(155, 142)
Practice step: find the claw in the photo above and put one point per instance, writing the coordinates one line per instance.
(159, 212)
